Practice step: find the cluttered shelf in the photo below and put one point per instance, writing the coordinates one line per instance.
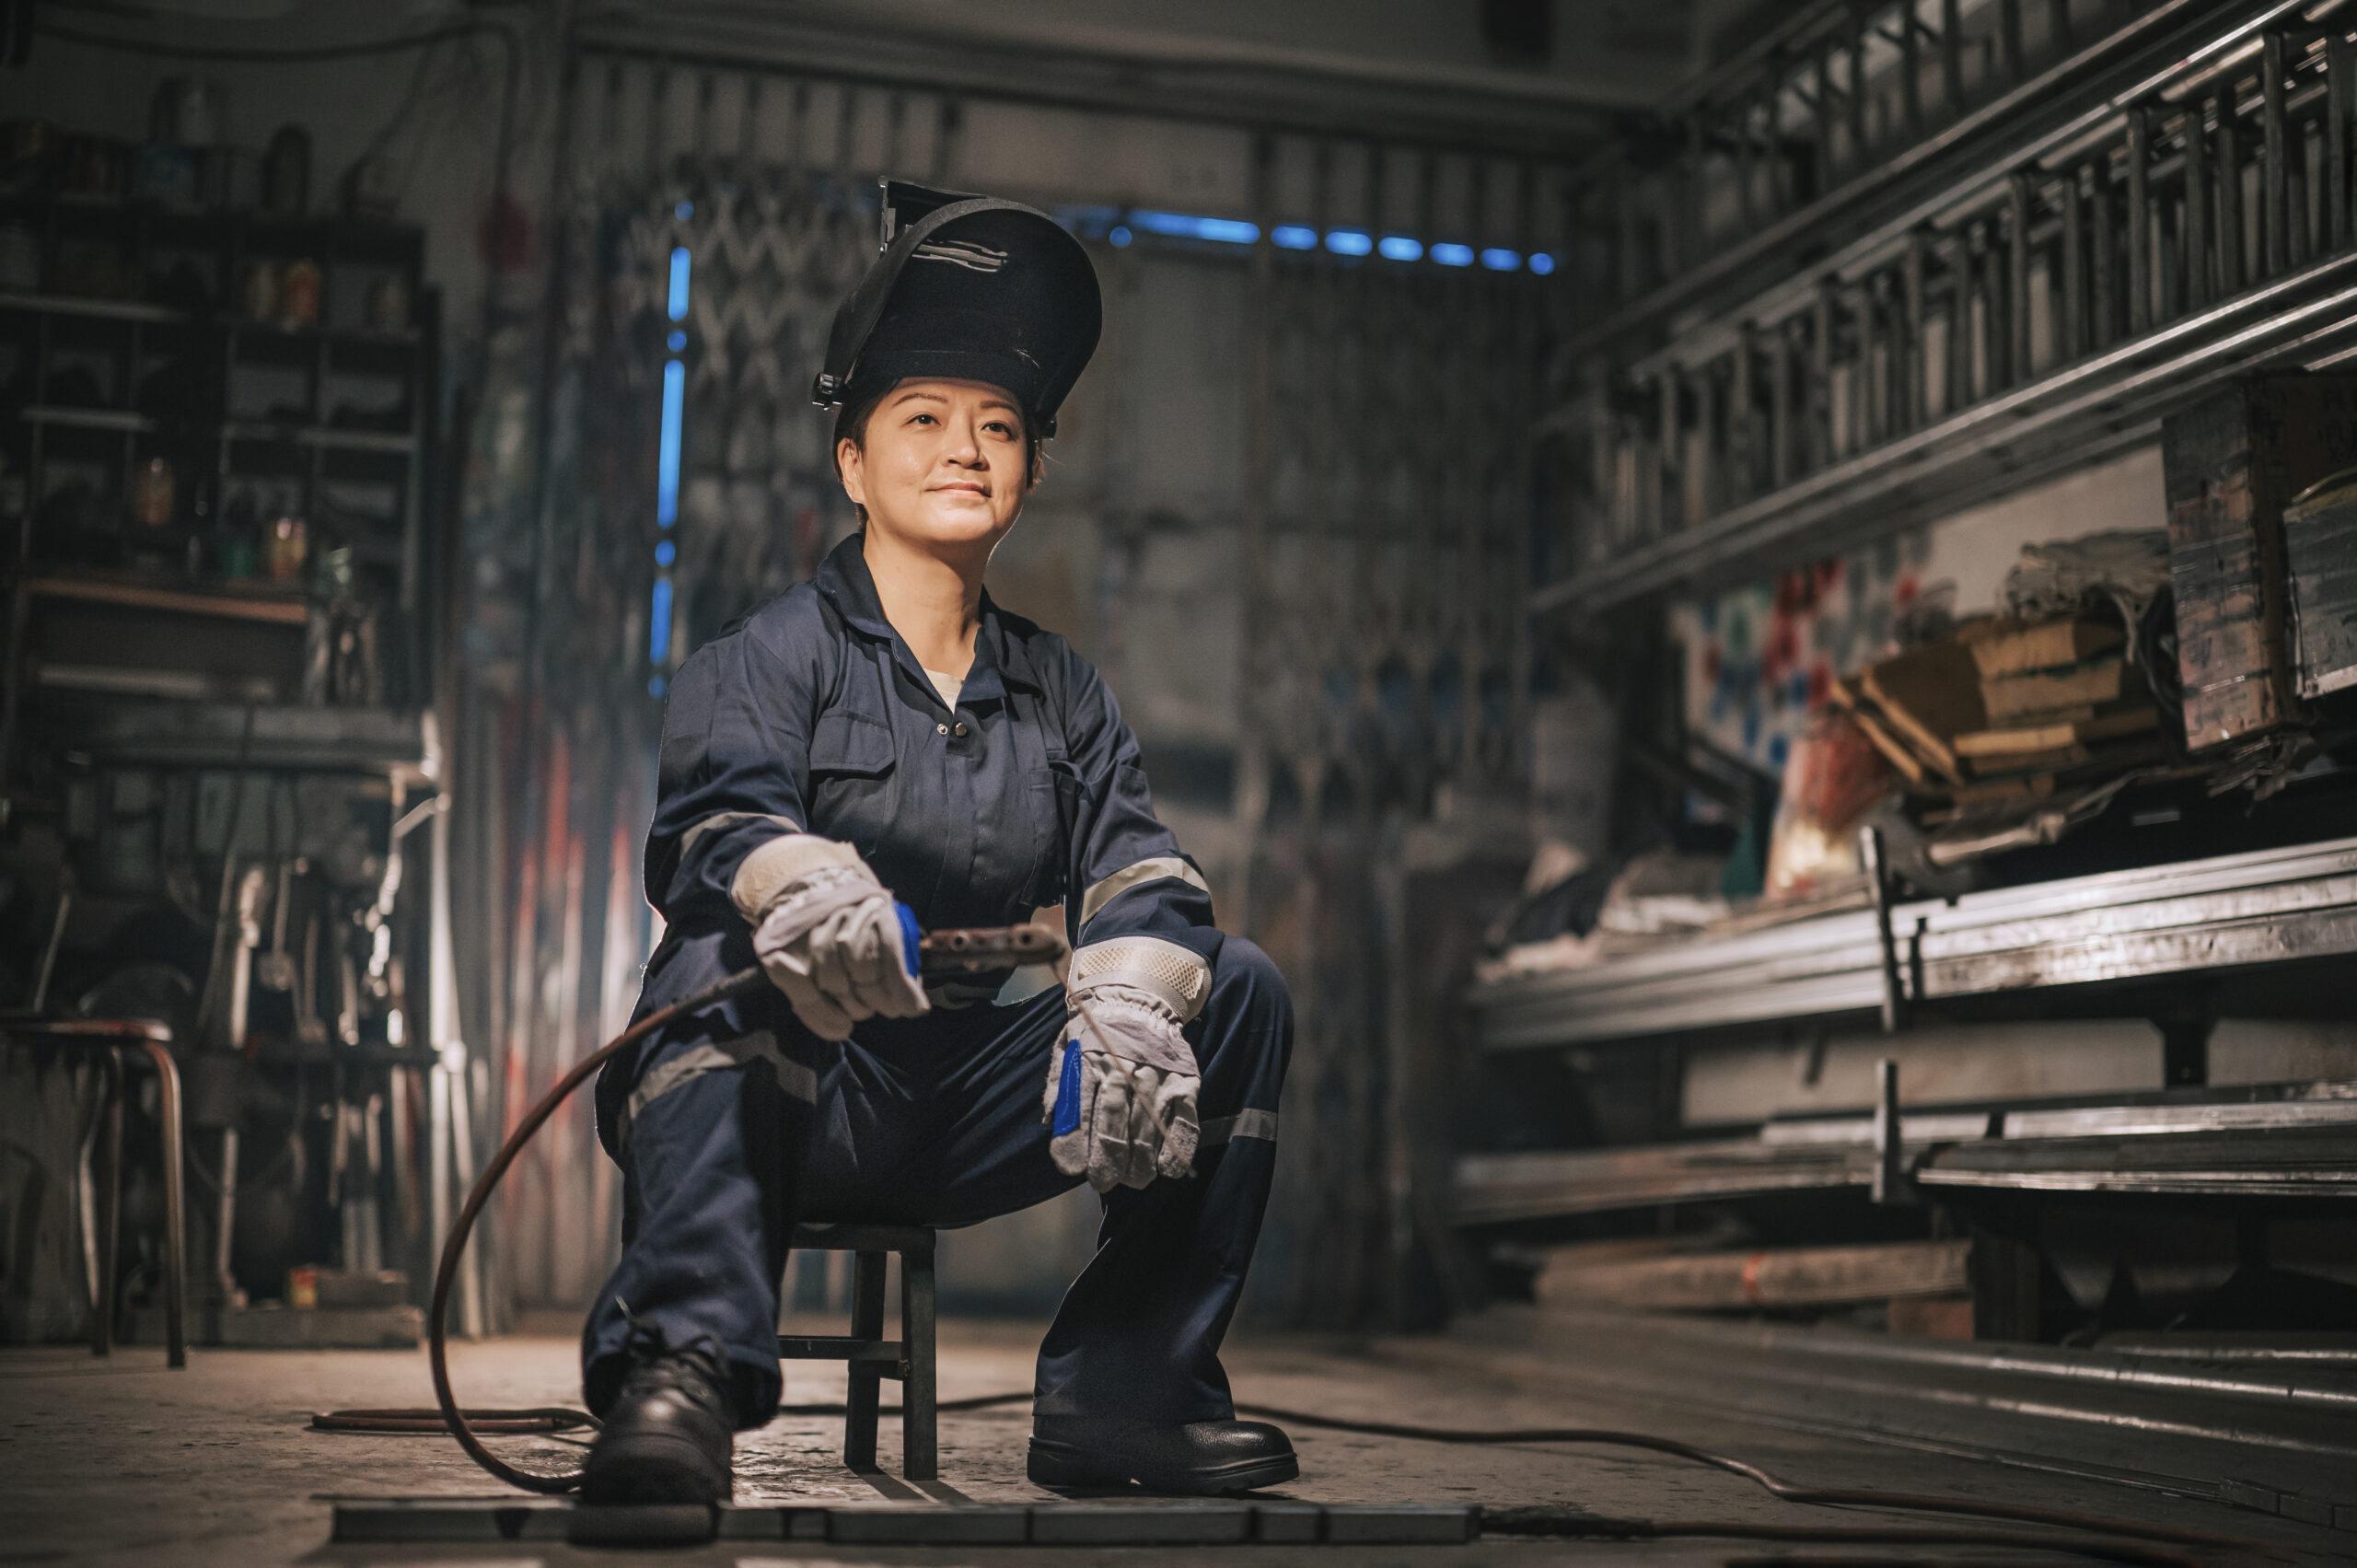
(2142, 765)
(2269, 1141)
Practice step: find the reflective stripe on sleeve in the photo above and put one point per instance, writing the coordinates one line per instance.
(720, 820)
(1163, 867)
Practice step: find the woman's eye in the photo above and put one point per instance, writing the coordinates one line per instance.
(920, 416)
(1001, 426)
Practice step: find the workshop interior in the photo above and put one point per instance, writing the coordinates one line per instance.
(1650, 854)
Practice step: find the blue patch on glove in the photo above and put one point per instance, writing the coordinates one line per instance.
(1067, 1117)
(910, 937)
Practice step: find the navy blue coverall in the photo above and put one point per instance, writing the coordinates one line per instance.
(811, 714)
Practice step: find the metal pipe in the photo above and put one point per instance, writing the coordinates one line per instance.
(1820, 424)
(2104, 317)
(1996, 333)
(1825, 169)
(1952, 58)
(2275, 173)
(1889, 1184)
(1669, 507)
(1747, 168)
(1911, 71)
(1857, 104)
(2165, 66)
(224, 1219)
(2139, 221)
(1914, 401)
(2197, 207)
(2233, 273)
(2017, 211)
(2339, 121)
(2072, 321)
(109, 1225)
(1743, 425)
(1959, 322)
(56, 942)
(1875, 861)
(2301, 314)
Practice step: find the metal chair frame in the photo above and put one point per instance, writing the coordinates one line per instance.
(117, 1040)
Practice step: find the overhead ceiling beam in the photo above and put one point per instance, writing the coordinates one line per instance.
(1470, 109)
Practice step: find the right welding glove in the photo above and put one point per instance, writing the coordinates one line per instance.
(1121, 1104)
(828, 934)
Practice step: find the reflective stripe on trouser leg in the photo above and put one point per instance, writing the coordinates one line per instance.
(798, 1079)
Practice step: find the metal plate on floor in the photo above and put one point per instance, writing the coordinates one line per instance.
(1141, 1524)
(1212, 1522)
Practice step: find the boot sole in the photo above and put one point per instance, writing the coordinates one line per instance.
(652, 1468)
(1060, 1464)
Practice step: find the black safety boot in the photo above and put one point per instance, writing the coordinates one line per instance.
(666, 1438)
(1184, 1458)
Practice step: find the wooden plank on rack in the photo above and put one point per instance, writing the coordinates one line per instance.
(276, 609)
(1784, 1276)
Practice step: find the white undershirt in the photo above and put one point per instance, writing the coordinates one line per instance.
(948, 685)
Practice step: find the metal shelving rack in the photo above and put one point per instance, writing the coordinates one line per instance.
(303, 416)
(160, 662)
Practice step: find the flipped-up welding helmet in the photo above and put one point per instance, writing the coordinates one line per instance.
(970, 288)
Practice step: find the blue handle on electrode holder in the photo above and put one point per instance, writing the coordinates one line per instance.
(910, 936)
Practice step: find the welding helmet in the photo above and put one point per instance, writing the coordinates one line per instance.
(970, 288)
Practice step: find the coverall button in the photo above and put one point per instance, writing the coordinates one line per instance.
(958, 728)
(940, 729)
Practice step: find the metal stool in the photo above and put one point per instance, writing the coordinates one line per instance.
(116, 1040)
(873, 1357)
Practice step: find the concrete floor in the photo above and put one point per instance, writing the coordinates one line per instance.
(124, 1461)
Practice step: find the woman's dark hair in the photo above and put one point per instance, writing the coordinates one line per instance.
(851, 424)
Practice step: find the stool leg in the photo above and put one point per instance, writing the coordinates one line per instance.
(175, 1217)
(920, 1454)
(110, 1203)
(862, 1398)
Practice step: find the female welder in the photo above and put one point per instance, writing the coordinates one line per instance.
(887, 736)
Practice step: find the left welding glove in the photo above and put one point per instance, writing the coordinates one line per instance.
(1121, 1092)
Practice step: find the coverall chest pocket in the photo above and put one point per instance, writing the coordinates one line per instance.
(1054, 804)
(852, 786)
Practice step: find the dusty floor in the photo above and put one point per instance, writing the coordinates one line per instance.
(126, 1462)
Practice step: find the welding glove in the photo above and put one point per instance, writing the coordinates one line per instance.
(828, 934)
(1121, 1092)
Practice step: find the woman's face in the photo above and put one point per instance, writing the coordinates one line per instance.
(942, 467)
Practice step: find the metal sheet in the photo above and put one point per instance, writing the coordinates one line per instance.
(2265, 907)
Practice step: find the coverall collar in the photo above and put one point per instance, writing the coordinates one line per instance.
(1000, 658)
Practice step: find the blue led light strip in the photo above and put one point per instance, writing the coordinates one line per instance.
(667, 470)
(1351, 242)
